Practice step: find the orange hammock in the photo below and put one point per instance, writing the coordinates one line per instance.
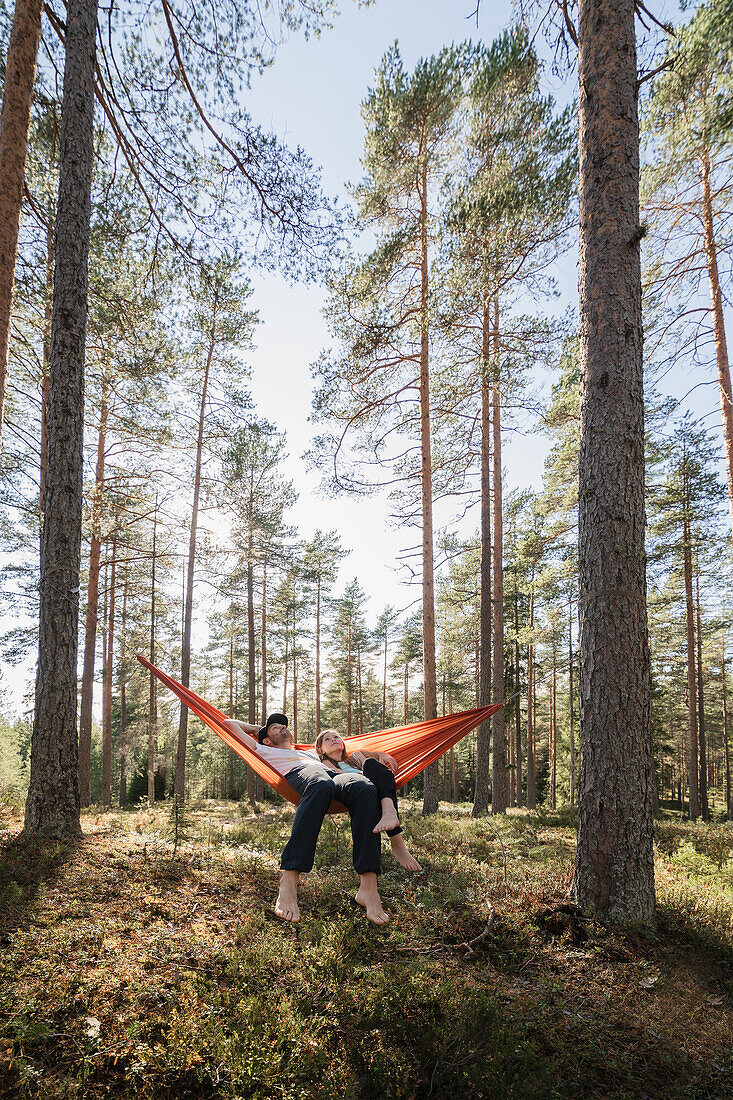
(413, 747)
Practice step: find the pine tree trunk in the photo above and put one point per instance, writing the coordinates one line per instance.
(499, 786)
(384, 682)
(92, 612)
(572, 707)
(614, 866)
(728, 802)
(108, 677)
(123, 699)
(264, 642)
(531, 757)
(180, 780)
(20, 71)
(430, 775)
(406, 697)
(318, 656)
(52, 806)
(702, 743)
(48, 298)
(153, 680)
(348, 682)
(251, 668)
(553, 732)
(483, 736)
(518, 715)
(721, 344)
(694, 805)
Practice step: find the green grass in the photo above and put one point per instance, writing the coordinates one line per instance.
(126, 972)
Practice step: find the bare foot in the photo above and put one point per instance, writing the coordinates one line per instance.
(286, 906)
(402, 854)
(388, 820)
(368, 898)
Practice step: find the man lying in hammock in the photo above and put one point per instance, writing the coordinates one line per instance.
(318, 786)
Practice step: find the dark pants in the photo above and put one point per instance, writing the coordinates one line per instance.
(383, 780)
(317, 790)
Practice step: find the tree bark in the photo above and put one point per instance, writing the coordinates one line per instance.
(499, 786)
(123, 699)
(92, 612)
(728, 803)
(614, 866)
(108, 677)
(318, 655)
(430, 775)
(518, 715)
(52, 806)
(180, 780)
(572, 707)
(153, 680)
(694, 804)
(553, 732)
(20, 72)
(264, 642)
(701, 743)
(531, 758)
(716, 305)
(483, 736)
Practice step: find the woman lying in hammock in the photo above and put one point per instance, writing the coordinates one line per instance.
(332, 750)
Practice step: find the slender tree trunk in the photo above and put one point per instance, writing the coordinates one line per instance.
(92, 612)
(108, 677)
(572, 707)
(251, 668)
(553, 732)
(614, 866)
(295, 684)
(264, 642)
(406, 696)
(52, 806)
(384, 682)
(153, 681)
(20, 71)
(518, 713)
(728, 802)
(702, 743)
(498, 743)
(430, 775)
(531, 756)
(348, 683)
(180, 780)
(287, 665)
(123, 697)
(318, 656)
(716, 304)
(690, 621)
(483, 736)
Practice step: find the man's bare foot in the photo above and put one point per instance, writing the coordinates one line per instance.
(286, 906)
(402, 854)
(389, 818)
(368, 898)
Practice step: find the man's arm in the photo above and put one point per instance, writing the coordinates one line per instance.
(243, 729)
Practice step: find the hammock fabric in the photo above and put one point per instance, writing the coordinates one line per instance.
(413, 747)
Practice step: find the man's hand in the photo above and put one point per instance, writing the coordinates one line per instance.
(388, 761)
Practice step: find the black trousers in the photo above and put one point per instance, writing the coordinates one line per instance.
(383, 780)
(317, 790)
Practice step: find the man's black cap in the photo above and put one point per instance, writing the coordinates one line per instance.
(277, 719)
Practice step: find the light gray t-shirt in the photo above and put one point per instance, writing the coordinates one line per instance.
(284, 760)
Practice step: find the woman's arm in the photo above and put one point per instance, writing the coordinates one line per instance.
(382, 757)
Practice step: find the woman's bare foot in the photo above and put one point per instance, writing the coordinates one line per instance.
(389, 818)
(286, 906)
(368, 898)
(402, 854)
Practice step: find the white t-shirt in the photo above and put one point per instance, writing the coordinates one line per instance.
(284, 760)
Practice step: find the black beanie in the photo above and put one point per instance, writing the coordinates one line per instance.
(278, 718)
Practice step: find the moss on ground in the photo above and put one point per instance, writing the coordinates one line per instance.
(126, 972)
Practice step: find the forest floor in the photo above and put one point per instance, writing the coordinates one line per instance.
(129, 970)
